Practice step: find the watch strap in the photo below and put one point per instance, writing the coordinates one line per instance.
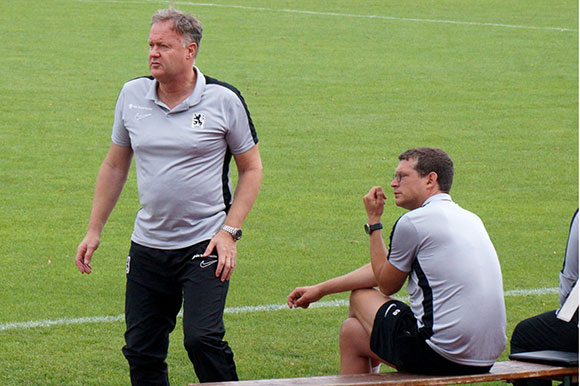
(374, 227)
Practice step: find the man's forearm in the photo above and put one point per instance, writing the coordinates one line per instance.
(108, 188)
(360, 278)
(378, 252)
(245, 195)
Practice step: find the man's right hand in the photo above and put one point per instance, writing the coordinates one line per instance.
(303, 296)
(85, 252)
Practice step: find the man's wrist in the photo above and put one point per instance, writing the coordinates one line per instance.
(371, 227)
(236, 233)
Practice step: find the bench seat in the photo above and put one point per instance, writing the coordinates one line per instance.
(501, 371)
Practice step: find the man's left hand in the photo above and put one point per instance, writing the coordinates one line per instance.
(226, 251)
(374, 202)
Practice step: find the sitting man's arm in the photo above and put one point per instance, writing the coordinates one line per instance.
(362, 277)
(389, 279)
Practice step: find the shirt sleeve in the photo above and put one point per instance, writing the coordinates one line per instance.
(120, 135)
(241, 135)
(404, 244)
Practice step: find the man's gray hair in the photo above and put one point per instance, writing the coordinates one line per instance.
(188, 26)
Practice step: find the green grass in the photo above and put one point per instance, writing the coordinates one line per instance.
(335, 99)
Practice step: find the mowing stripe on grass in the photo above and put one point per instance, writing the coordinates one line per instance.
(228, 310)
(318, 13)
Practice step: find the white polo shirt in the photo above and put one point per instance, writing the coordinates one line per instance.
(182, 158)
(569, 273)
(455, 283)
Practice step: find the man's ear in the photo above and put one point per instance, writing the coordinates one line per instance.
(192, 50)
(433, 180)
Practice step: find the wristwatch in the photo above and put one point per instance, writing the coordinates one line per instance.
(235, 232)
(371, 228)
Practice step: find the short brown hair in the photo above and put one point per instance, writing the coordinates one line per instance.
(430, 159)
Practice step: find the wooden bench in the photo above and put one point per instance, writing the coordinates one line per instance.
(510, 371)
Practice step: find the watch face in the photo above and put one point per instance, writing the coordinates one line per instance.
(368, 229)
(238, 234)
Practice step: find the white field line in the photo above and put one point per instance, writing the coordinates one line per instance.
(228, 310)
(337, 14)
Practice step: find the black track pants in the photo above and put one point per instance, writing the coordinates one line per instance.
(544, 332)
(158, 281)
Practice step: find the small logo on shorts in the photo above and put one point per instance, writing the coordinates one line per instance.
(198, 120)
(128, 265)
(395, 312)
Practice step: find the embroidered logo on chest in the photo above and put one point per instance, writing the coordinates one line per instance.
(197, 120)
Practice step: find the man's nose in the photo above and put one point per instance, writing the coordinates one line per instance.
(154, 52)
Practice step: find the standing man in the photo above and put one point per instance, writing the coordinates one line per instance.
(456, 320)
(182, 127)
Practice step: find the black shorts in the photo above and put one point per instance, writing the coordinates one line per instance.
(396, 339)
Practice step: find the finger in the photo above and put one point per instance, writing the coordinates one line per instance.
(87, 259)
(291, 300)
(210, 248)
(79, 258)
(373, 194)
(220, 264)
(297, 298)
(380, 193)
(302, 303)
(227, 274)
(369, 195)
(229, 268)
(82, 259)
(225, 271)
(80, 266)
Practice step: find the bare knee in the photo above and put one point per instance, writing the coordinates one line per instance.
(355, 354)
(348, 327)
(352, 333)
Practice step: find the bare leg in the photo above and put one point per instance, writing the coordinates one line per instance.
(354, 348)
(356, 356)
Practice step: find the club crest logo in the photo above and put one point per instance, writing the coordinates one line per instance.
(198, 120)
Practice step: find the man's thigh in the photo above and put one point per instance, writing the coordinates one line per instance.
(364, 304)
(545, 332)
(204, 295)
(152, 302)
(393, 321)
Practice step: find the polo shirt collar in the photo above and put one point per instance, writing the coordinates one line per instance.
(437, 198)
(199, 89)
(192, 100)
(152, 93)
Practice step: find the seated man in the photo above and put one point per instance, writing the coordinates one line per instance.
(546, 331)
(456, 320)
